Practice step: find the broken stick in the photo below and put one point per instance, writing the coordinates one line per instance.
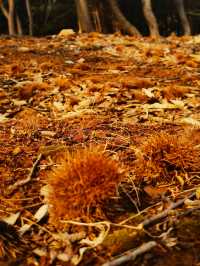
(152, 220)
(22, 182)
(131, 254)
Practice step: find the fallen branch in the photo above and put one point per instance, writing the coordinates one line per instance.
(22, 182)
(164, 213)
(131, 254)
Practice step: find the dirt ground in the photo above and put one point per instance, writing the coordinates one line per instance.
(99, 150)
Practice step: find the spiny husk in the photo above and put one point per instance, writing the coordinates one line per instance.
(81, 183)
(163, 155)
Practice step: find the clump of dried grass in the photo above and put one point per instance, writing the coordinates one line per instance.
(81, 183)
(162, 156)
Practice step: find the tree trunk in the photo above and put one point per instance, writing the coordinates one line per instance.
(150, 18)
(11, 22)
(96, 17)
(84, 20)
(124, 23)
(19, 25)
(183, 17)
(30, 21)
(9, 14)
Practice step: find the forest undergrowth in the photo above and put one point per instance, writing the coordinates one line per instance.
(99, 150)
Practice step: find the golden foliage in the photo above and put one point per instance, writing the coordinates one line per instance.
(81, 183)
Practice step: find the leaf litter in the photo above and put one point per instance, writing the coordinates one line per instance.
(100, 152)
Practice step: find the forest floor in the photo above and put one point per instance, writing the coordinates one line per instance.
(99, 150)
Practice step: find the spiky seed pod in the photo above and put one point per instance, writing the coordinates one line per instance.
(162, 155)
(81, 183)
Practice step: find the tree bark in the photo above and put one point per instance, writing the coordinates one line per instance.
(96, 17)
(11, 22)
(124, 23)
(183, 17)
(150, 18)
(19, 25)
(30, 20)
(9, 14)
(84, 19)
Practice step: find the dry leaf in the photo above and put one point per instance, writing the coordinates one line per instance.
(12, 218)
(41, 212)
(192, 203)
(198, 193)
(155, 192)
(190, 121)
(104, 228)
(3, 118)
(196, 57)
(66, 32)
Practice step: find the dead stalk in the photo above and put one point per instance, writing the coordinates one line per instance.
(131, 254)
(146, 223)
(19, 183)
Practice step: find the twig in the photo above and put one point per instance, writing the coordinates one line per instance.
(163, 214)
(188, 211)
(131, 254)
(139, 213)
(28, 178)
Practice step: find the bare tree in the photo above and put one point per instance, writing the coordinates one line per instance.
(183, 17)
(9, 14)
(124, 23)
(96, 15)
(84, 19)
(19, 25)
(150, 18)
(30, 21)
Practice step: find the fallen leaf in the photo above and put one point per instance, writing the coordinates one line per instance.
(190, 121)
(12, 218)
(196, 57)
(198, 193)
(155, 192)
(104, 228)
(66, 32)
(3, 118)
(41, 212)
(192, 203)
